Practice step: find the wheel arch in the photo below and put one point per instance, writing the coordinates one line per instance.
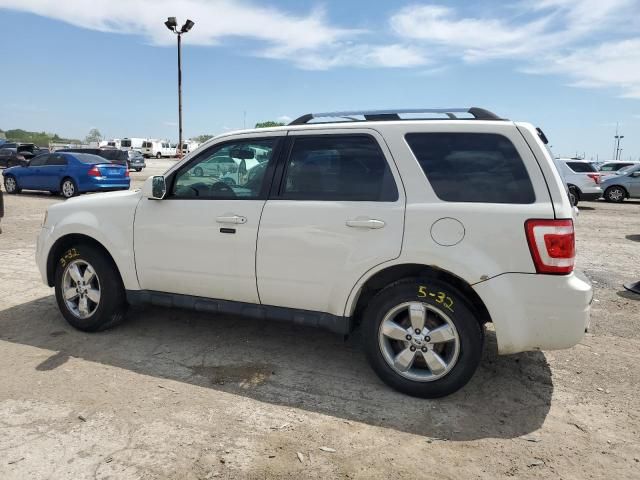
(67, 241)
(578, 191)
(379, 280)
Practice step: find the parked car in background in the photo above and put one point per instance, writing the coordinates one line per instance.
(624, 184)
(66, 173)
(26, 150)
(131, 158)
(419, 232)
(582, 179)
(9, 157)
(608, 169)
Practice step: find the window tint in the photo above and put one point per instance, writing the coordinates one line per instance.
(38, 161)
(581, 167)
(230, 171)
(88, 158)
(57, 160)
(125, 143)
(472, 167)
(338, 167)
(5, 152)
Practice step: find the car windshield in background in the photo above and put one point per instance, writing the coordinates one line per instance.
(134, 153)
(90, 158)
(125, 143)
(581, 167)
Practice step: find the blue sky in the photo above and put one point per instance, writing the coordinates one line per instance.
(571, 67)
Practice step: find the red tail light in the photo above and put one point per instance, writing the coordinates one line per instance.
(552, 245)
(94, 172)
(126, 172)
(595, 177)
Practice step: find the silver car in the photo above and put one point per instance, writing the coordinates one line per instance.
(624, 184)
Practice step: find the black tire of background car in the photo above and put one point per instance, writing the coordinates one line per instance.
(198, 172)
(574, 196)
(113, 304)
(17, 188)
(610, 190)
(158, 155)
(470, 332)
(75, 187)
(138, 169)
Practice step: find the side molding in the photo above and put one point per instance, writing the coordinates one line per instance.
(326, 321)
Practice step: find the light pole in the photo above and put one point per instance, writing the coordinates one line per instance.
(618, 149)
(172, 25)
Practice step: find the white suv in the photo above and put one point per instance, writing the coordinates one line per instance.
(417, 230)
(582, 179)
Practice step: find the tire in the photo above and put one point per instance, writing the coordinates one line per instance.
(615, 194)
(198, 172)
(138, 169)
(453, 361)
(574, 196)
(68, 188)
(158, 155)
(11, 185)
(111, 305)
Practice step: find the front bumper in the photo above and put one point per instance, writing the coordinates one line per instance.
(537, 312)
(43, 245)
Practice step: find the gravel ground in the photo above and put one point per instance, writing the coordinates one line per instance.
(174, 394)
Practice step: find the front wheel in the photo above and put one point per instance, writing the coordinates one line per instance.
(614, 194)
(89, 291)
(68, 188)
(11, 185)
(158, 155)
(421, 338)
(138, 169)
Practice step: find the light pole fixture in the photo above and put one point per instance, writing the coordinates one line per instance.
(172, 25)
(618, 149)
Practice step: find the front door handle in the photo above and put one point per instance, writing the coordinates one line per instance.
(365, 223)
(231, 219)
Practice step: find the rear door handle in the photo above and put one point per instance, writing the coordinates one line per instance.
(231, 219)
(371, 223)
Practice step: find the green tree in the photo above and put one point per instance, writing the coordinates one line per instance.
(202, 138)
(269, 123)
(94, 136)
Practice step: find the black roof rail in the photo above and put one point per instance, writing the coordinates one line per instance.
(394, 114)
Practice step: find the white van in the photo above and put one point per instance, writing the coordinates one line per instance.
(157, 148)
(132, 144)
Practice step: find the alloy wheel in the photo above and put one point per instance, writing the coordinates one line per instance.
(419, 341)
(81, 289)
(10, 184)
(68, 188)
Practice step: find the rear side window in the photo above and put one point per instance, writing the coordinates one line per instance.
(56, 160)
(472, 167)
(338, 167)
(581, 167)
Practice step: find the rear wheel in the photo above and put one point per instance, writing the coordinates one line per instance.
(421, 338)
(615, 194)
(68, 188)
(88, 289)
(11, 184)
(574, 196)
(138, 169)
(158, 155)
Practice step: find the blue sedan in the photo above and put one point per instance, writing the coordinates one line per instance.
(68, 174)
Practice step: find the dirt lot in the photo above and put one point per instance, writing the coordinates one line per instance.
(173, 394)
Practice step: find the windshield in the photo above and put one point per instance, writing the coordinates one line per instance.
(134, 154)
(125, 143)
(90, 158)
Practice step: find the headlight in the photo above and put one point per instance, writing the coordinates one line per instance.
(44, 220)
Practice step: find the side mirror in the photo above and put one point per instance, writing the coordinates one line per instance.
(155, 188)
(635, 174)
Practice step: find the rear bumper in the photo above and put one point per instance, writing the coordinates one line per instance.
(537, 312)
(587, 197)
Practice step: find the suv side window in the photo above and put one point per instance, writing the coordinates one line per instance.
(472, 167)
(348, 167)
(581, 167)
(227, 171)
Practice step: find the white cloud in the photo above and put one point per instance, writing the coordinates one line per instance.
(284, 118)
(558, 36)
(310, 41)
